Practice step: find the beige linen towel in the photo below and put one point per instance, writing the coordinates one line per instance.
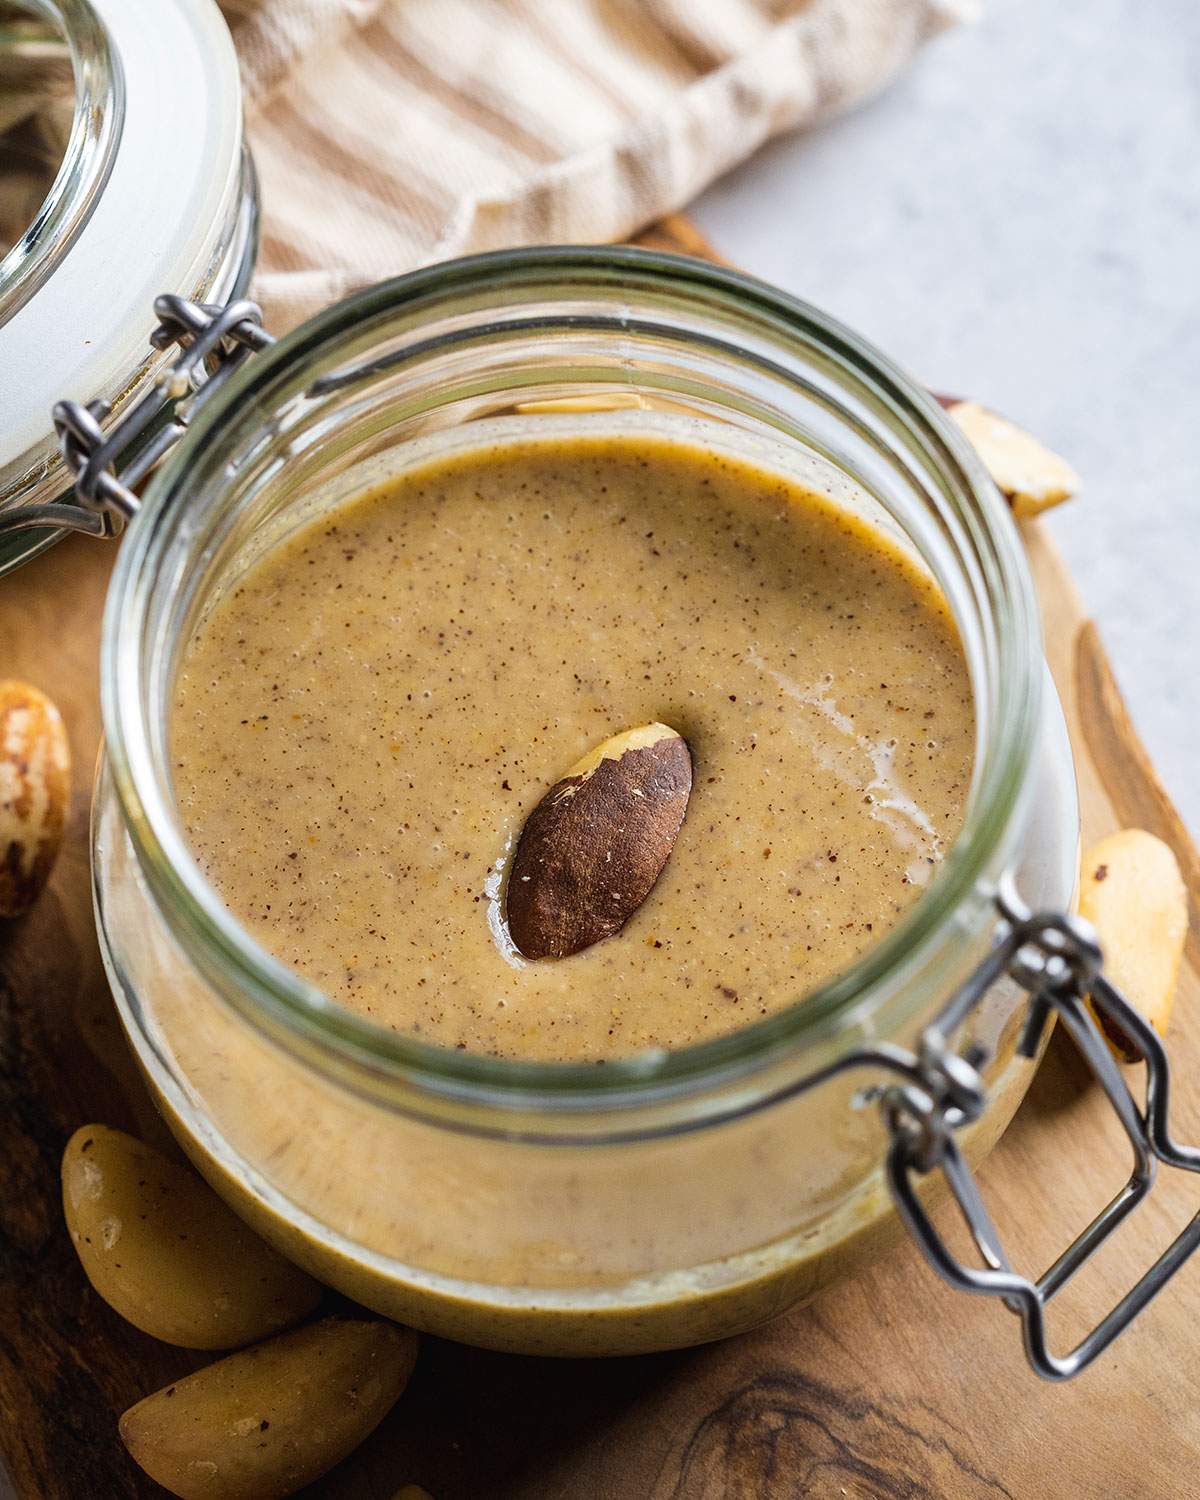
(392, 133)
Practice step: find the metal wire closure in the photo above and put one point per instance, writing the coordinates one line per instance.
(213, 341)
(1057, 960)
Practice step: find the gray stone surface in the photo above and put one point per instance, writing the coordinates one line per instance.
(1018, 218)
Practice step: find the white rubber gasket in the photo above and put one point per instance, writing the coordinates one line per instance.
(161, 224)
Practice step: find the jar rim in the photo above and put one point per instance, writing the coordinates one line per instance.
(297, 1012)
(97, 118)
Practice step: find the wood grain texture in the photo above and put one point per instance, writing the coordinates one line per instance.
(889, 1387)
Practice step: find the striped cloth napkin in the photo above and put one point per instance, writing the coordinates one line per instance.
(392, 133)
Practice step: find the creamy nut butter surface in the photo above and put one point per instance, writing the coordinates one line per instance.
(365, 721)
(363, 724)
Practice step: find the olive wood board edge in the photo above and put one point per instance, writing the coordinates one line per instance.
(889, 1386)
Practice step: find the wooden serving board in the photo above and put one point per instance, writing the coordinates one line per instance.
(890, 1387)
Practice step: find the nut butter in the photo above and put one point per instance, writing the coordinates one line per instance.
(364, 724)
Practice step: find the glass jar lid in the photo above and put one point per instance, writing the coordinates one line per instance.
(154, 190)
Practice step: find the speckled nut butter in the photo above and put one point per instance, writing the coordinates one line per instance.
(366, 720)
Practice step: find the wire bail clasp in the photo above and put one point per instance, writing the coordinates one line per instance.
(1057, 960)
(214, 342)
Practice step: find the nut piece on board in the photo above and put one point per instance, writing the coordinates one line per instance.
(1027, 474)
(35, 792)
(163, 1250)
(264, 1422)
(597, 841)
(1131, 891)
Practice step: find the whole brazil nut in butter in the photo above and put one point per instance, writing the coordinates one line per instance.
(593, 847)
(366, 721)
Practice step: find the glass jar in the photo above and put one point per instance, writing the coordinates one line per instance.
(97, 107)
(667, 1198)
(155, 190)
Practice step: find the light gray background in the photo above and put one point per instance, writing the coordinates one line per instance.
(1018, 219)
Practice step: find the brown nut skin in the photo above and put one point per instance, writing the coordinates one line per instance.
(1132, 892)
(264, 1422)
(163, 1250)
(35, 793)
(595, 844)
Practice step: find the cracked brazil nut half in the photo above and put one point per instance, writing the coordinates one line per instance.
(1132, 892)
(593, 847)
(1028, 474)
(267, 1421)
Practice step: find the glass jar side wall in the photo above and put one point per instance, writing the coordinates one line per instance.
(608, 1248)
(674, 1199)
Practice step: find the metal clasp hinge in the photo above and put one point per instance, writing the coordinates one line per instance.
(1057, 960)
(214, 341)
